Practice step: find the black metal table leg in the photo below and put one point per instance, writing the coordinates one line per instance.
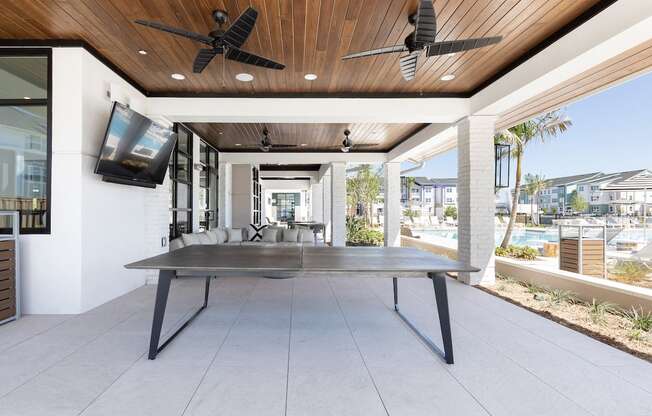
(162, 291)
(441, 297)
(165, 276)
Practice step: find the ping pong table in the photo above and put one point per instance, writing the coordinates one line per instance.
(209, 261)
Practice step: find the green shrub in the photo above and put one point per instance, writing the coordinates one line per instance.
(559, 296)
(630, 269)
(358, 234)
(641, 321)
(518, 252)
(599, 310)
(451, 211)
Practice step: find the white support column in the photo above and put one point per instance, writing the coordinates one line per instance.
(338, 204)
(475, 197)
(317, 201)
(224, 195)
(326, 205)
(392, 206)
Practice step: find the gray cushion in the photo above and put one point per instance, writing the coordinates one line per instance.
(176, 244)
(235, 235)
(204, 238)
(290, 236)
(306, 236)
(212, 236)
(270, 235)
(190, 239)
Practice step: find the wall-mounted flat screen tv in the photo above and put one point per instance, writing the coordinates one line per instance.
(136, 150)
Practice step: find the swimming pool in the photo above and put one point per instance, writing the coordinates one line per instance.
(533, 238)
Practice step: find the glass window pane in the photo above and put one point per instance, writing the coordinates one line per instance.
(212, 158)
(183, 194)
(23, 163)
(23, 77)
(183, 168)
(183, 222)
(203, 153)
(183, 141)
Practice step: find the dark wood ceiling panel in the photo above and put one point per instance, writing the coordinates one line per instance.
(373, 137)
(308, 36)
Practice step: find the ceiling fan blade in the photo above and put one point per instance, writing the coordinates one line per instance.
(239, 31)
(408, 65)
(425, 25)
(180, 32)
(239, 55)
(203, 58)
(379, 51)
(453, 46)
(365, 146)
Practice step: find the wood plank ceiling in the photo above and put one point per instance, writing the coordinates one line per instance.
(309, 36)
(375, 137)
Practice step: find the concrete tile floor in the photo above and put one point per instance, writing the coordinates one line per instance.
(321, 346)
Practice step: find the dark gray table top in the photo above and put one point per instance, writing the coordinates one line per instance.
(301, 259)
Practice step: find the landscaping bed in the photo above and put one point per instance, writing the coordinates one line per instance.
(628, 330)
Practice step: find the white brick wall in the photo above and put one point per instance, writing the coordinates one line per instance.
(475, 197)
(392, 205)
(338, 203)
(157, 217)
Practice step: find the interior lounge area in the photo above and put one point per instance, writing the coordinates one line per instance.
(173, 206)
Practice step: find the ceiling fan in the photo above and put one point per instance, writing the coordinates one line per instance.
(348, 145)
(220, 41)
(422, 39)
(266, 144)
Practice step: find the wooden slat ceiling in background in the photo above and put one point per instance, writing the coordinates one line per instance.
(309, 36)
(316, 137)
(628, 64)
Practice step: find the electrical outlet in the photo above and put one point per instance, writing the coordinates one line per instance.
(164, 241)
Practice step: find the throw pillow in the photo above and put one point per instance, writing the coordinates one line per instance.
(204, 238)
(306, 236)
(212, 236)
(221, 235)
(190, 239)
(269, 235)
(290, 236)
(279, 232)
(235, 235)
(256, 232)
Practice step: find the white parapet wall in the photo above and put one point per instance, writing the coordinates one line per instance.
(585, 287)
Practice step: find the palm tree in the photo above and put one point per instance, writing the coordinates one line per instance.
(534, 184)
(519, 136)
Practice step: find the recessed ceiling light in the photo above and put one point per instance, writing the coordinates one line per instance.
(451, 54)
(448, 77)
(178, 77)
(244, 77)
(310, 77)
(238, 144)
(142, 52)
(27, 98)
(221, 133)
(304, 144)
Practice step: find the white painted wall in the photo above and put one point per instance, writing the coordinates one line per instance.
(241, 195)
(96, 227)
(225, 202)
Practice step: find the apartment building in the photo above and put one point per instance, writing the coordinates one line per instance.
(428, 196)
(619, 193)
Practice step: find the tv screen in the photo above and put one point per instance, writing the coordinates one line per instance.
(135, 148)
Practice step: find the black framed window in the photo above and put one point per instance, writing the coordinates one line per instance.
(180, 172)
(208, 180)
(26, 137)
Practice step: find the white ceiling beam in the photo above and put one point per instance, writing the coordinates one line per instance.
(309, 110)
(300, 158)
(621, 26)
(289, 174)
(426, 138)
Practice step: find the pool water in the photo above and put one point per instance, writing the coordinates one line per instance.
(533, 238)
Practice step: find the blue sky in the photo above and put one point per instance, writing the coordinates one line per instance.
(611, 132)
